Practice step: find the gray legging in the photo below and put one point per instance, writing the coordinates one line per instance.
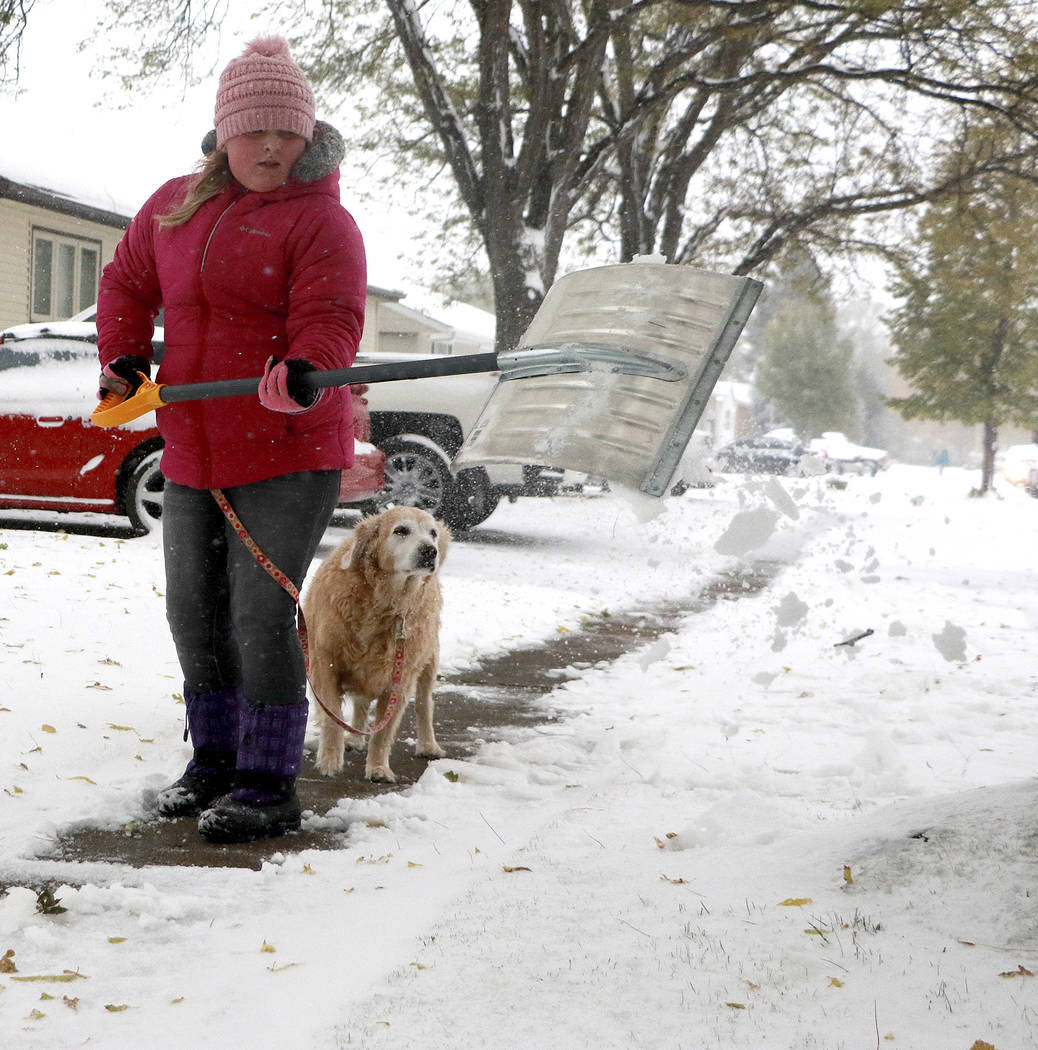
(232, 623)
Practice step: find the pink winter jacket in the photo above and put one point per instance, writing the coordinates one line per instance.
(249, 275)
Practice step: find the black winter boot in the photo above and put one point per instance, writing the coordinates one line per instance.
(212, 720)
(209, 775)
(260, 807)
(263, 802)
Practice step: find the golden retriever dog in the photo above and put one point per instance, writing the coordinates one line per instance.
(377, 590)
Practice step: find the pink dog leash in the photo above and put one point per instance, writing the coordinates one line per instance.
(286, 584)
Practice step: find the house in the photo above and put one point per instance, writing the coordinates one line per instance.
(728, 415)
(53, 248)
(423, 324)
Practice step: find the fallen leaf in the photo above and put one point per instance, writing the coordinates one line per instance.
(509, 868)
(795, 902)
(7, 962)
(835, 982)
(981, 1045)
(268, 947)
(1020, 971)
(673, 882)
(121, 729)
(36, 1016)
(736, 1006)
(70, 1002)
(47, 729)
(48, 904)
(451, 776)
(85, 779)
(113, 1009)
(104, 689)
(116, 940)
(847, 876)
(414, 864)
(307, 870)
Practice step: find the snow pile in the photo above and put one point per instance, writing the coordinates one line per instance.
(804, 819)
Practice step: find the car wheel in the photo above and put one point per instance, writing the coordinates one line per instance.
(144, 494)
(472, 501)
(417, 475)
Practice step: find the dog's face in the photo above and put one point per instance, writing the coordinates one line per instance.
(403, 541)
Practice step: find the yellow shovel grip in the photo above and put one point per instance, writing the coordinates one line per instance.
(115, 409)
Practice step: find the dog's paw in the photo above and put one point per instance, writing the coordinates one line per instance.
(430, 751)
(328, 764)
(380, 775)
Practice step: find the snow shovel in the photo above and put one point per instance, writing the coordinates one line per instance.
(683, 345)
(630, 427)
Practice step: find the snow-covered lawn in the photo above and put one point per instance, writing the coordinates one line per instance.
(742, 835)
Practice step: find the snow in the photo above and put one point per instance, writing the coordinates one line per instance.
(742, 834)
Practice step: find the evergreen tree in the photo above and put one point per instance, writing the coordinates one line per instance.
(966, 332)
(804, 364)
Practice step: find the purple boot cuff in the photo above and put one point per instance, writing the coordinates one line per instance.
(272, 739)
(212, 720)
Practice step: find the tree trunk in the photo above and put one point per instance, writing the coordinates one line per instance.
(990, 443)
(515, 299)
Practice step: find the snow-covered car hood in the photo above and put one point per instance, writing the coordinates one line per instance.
(836, 446)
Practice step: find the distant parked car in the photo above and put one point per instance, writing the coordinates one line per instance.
(772, 453)
(841, 456)
(1018, 465)
(56, 459)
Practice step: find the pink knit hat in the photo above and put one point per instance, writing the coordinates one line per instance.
(263, 90)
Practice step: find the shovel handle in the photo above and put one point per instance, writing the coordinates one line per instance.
(115, 410)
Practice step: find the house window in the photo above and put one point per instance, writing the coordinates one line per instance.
(64, 275)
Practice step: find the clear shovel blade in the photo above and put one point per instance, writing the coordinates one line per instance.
(628, 421)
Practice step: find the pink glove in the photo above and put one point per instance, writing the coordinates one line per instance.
(280, 389)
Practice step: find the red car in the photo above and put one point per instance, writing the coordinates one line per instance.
(54, 458)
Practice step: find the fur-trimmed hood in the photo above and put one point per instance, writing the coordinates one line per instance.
(320, 158)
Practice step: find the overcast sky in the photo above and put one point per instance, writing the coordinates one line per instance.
(63, 128)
